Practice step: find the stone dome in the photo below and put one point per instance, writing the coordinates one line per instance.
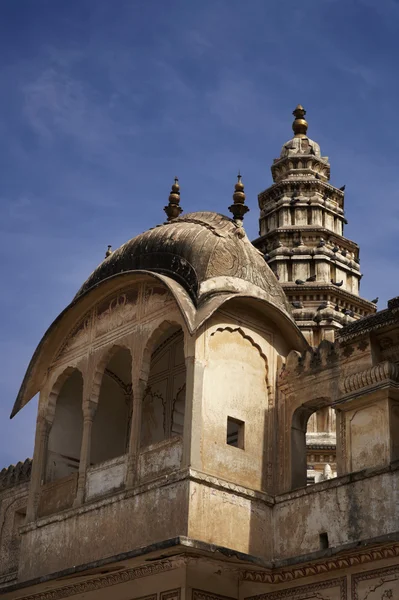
(300, 145)
(192, 250)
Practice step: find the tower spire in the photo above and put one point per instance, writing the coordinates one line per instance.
(173, 209)
(300, 125)
(238, 208)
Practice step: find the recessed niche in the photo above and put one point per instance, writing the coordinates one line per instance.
(323, 537)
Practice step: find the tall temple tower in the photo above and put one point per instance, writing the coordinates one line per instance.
(301, 235)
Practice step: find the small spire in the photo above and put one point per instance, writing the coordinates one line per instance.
(300, 125)
(238, 208)
(109, 251)
(173, 209)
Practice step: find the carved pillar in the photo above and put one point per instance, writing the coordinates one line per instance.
(43, 427)
(89, 411)
(139, 386)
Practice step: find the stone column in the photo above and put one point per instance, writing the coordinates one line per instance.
(317, 217)
(285, 217)
(322, 269)
(89, 411)
(43, 427)
(139, 386)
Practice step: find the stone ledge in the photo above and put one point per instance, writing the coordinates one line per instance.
(339, 481)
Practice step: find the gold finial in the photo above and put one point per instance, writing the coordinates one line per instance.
(300, 125)
(238, 208)
(109, 251)
(173, 209)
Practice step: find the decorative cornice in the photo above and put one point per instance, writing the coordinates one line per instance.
(275, 190)
(383, 318)
(103, 581)
(307, 287)
(308, 230)
(266, 575)
(382, 372)
(322, 567)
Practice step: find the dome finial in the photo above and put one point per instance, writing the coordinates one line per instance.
(300, 125)
(109, 251)
(173, 209)
(238, 208)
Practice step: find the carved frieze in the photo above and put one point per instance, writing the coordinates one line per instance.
(155, 298)
(114, 313)
(323, 567)
(78, 337)
(103, 581)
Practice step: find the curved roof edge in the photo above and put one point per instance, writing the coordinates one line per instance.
(26, 392)
(212, 297)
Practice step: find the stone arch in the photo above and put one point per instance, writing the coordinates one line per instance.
(298, 443)
(112, 392)
(56, 387)
(164, 374)
(255, 345)
(64, 413)
(100, 369)
(160, 328)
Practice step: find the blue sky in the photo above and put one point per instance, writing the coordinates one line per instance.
(103, 103)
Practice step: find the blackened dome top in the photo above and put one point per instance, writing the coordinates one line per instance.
(194, 249)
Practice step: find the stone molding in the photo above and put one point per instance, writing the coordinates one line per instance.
(323, 567)
(203, 595)
(302, 592)
(96, 583)
(8, 578)
(293, 185)
(222, 484)
(385, 371)
(266, 577)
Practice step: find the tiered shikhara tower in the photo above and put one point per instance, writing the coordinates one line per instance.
(301, 235)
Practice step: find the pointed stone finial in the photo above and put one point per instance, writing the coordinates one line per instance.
(300, 125)
(173, 209)
(238, 208)
(109, 251)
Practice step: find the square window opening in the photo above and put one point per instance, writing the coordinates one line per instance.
(235, 433)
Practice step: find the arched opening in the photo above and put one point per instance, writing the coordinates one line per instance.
(111, 425)
(164, 398)
(321, 446)
(313, 445)
(65, 438)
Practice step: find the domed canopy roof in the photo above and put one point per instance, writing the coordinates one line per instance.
(200, 251)
(300, 145)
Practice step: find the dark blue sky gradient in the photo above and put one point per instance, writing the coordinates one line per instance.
(103, 103)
